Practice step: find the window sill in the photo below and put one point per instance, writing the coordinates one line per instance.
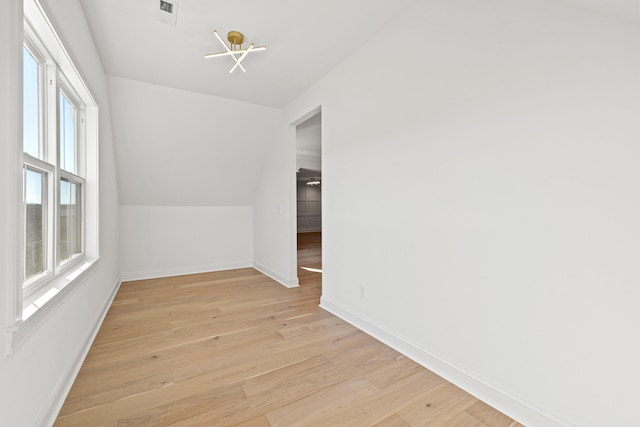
(37, 312)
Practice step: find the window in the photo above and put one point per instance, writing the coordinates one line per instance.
(35, 228)
(70, 218)
(58, 225)
(31, 104)
(36, 173)
(68, 120)
(53, 214)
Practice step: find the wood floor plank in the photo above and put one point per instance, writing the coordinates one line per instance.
(92, 392)
(260, 421)
(393, 421)
(235, 348)
(321, 404)
(294, 372)
(437, 407)
(185, 408)
(463, 419)
(377, 406)
(287, 390)
(490, 416)
(398, 369)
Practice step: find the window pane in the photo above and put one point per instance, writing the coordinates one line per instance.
(70, 220)
(34, 230)
(30, 107)
(67, 134)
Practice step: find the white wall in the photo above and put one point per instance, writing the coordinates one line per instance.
(160, 241)
(179, 148)
(274, 215)
(501, 245)
(188, 168)
(309, 144)
(34, 379)
(10, 70)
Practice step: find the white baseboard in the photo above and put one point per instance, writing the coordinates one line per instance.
(513, 407)
(289, 283)
(63, 386)
(182, 271)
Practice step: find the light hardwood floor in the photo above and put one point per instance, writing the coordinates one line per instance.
(234, 348)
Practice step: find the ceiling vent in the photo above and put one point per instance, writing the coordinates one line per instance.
(167, 11)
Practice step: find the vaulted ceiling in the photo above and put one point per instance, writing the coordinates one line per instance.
(305, 39)
(204, 141)
(628, 10)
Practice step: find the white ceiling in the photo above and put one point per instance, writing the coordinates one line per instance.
(305, 40)
(309, 137)
(628, 10)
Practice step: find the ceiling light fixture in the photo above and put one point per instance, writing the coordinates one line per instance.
(236, 38)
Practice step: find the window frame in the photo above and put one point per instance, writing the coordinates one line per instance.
(50, 164)
(64, 88)
(72, 179)
(34, 51)
(34, 300)
(32, 286)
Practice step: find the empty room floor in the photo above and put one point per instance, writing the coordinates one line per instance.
(234, 348)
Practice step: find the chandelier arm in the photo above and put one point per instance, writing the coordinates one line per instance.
(234, 49)
(246, 52)
(233, 52)
(229, 50)
(226, 46)
(218, 54)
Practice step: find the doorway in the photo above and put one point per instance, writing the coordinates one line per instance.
(309, 195)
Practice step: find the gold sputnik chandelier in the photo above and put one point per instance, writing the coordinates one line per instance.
(234, 49)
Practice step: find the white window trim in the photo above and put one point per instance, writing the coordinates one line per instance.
(42, 40)
(37, 283)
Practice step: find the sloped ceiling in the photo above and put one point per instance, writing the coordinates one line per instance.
(627, 10)
(305, 39)
(181, 148)
(308, 136)
(185, 147)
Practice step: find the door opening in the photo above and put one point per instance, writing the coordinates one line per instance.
(309, 197)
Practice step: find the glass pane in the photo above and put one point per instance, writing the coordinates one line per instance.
(67, 134)
(30, 108)
(70, 220)
(34, 229)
